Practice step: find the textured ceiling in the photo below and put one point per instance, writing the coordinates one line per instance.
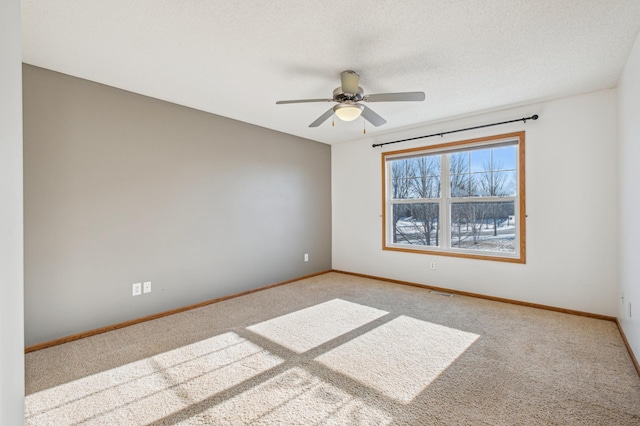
(237, 58)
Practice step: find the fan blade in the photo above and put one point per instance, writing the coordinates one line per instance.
(302, 101)
(372, 117)
(322, 118)
(396, 97)
(349, 81)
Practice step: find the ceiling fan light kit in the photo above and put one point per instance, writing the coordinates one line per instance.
(348, 96)
(348, 112)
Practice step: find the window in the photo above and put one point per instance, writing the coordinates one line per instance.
(461, 199)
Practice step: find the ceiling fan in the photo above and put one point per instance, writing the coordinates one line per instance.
(349, 97)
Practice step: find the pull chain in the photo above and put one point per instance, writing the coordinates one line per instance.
(364, 126)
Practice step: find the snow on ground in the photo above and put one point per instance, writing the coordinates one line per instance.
(412, 233)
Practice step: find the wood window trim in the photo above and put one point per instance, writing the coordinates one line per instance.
(453, 145)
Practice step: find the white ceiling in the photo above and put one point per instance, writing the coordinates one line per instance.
(237, 58)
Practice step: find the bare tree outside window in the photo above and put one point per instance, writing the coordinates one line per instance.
(472, 221)
(416, 178)
(427, 185)
(466, 220)
(493, 184)
(400, 186)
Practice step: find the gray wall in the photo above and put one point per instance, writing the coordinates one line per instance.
(121, 188)
(11, 275)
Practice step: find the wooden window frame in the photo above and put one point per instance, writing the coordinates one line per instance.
(445, 197)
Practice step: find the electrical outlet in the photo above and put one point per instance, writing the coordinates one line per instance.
(137, 289)
(306, 257)
(432, 265)
(146, 287)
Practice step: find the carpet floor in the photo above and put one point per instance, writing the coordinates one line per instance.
(337, 349)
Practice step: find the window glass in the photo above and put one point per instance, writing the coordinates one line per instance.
(483, 226)
(416, 178)
(416, 224)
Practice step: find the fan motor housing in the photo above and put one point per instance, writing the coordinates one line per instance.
(340, 96)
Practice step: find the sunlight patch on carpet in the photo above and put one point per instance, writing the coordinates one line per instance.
(400, 358)
(294, 397)
(308, 328)
(152, 388)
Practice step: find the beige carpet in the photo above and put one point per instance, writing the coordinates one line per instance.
(341, 350)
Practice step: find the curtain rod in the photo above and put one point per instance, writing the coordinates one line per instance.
(523, 119)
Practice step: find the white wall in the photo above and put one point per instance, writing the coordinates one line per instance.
(11, 280)
(629, 107)
(571, 181)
